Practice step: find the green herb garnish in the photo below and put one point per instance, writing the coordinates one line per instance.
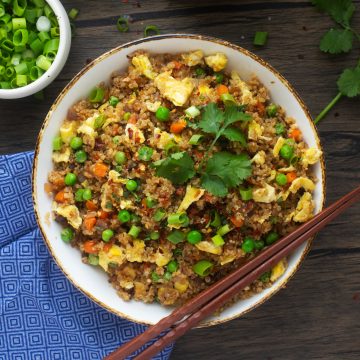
(337, 41)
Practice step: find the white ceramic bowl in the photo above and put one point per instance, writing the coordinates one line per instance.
(58, 63)
(92, 281)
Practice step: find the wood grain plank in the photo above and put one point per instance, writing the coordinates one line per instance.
(317, 316)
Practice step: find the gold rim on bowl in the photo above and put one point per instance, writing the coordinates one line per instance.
(276, 287)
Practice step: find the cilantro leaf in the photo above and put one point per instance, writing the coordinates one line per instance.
(234, 134)
(232, 114)
(178, 168)
(349, 82)
(211, 119)
(225, 170)
(337, 41)
(214, 185)
(340, 10)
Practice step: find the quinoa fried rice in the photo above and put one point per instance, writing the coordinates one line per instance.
(134, 190)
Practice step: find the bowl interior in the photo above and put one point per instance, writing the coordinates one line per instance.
(93, 281)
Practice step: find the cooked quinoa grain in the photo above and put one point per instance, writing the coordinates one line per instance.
(176, 176)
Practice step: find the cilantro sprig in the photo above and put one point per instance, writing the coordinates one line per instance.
(223, 170)
(340, 40)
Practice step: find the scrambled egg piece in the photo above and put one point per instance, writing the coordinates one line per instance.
(177, 91)
(135, 252)
(162, 258)
(115, 177)
(134, 134)
(181, 285)
(68, 131)
(193, 58)
(287, 169)
(246, 95)
(209, 247)
(310, 156)
(59, 157)
(304, 208)
(110, 193)
(217, 61)
(278, 270)
(272, 175)
(162, 138)
(255, 131)
(303, 182)
(225, 259)
(204, 90)
(71, 214)
(264, 195)
(280, 142)
(114, 255)
(192, 194)
(152, 106)
(87, 128)
(143, 66)
(259, 158)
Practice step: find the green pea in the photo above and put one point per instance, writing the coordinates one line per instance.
(162, 113)
(76, 143)
(120, 157)
(265, 277)
(272, 110)
(155, 277)
(248, 245)
(131, 185)
(219, 77)
(67, 235)
(145, 153)
(124, 216)
(199, 71)
(286, 152)
(79, 195)
(87, 194)
(150, 203)
(57, 143)
(113, 101)
(259, 245)
(194, 237)
(116, 139)
(80, 156)
(271, 237)
(281, 179)
(107, 235)
(154, 235)
(279, 129)
(93, 260)
(172, 266)
(70, 179)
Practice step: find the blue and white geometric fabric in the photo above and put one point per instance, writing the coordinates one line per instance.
(42, 315)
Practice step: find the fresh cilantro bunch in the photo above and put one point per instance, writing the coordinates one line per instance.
(223, 170)
(340, 40)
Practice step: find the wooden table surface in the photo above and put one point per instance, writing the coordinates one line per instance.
(318, 315)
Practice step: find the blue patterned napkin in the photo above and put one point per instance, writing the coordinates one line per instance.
(42, 315)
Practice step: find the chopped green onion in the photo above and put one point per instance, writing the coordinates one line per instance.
(122, 24)
(55, 31)
(99, 121)
(37, 46)
(154, 235)
(218, 240)
(260, 38)
(18, 23)
(57, 143)
(97, 95)
(134, 231)
(203, 267)
(20, 37)
(176, 237)
(93, 260)
(194, 140)
(19, 7)
(177, 218)
(150, 203)
(224, 230)
(35, 73)
(21, 69)
(151, 30)
(216, 222)
(192, 112)
(5, 85)
(227, 99)
(73, 13)
(43, 24)
(8, 45)
(155, 277)
(43, 63)
(246, 194)
(159, 214)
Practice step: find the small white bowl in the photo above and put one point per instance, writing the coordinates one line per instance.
(58, 63)
(93, 281)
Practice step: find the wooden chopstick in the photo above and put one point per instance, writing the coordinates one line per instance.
(227, 287)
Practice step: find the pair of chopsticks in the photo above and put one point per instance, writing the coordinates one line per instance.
(208, 301)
